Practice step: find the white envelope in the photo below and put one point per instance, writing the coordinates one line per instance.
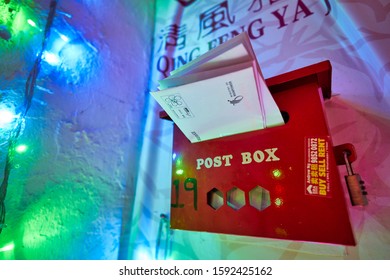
(220, 93)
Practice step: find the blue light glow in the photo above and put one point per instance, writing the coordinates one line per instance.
(51, 58)
(64, 38)
(7, 116)
(56, 44)
(73, 54)
(68, 56)
(77, 61)
(143, 253)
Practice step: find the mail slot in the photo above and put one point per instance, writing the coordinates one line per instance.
(281, 182)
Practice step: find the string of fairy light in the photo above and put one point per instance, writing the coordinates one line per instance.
(17, 128)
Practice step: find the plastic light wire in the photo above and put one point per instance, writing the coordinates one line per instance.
(164, 234)
(29, 93)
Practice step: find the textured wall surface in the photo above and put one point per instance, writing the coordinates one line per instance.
(70, 193)
(83, 191)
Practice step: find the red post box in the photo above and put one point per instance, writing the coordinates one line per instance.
(281, 182)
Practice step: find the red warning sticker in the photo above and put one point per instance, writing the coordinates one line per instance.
(317, 167)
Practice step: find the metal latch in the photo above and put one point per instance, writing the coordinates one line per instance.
(345, 154)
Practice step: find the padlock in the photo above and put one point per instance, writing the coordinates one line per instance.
(355, 184)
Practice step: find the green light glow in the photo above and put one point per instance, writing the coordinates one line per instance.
(19, 23)
(277, 173)
(31, 22)
(21, 149)
(278, 201)
(179, 171)
(7, 247)
(62, 209)
(22, 21)
(18, 20)
(7, 13)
